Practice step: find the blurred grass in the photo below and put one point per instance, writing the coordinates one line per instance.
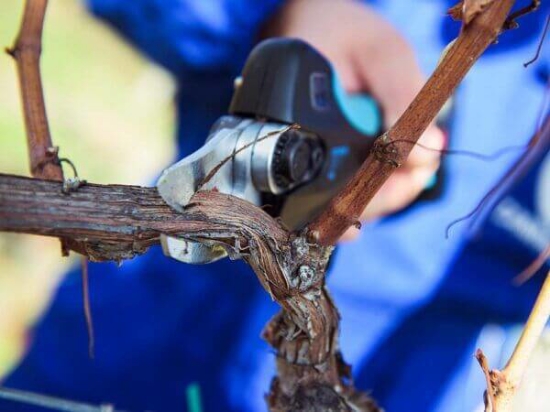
(110, 112)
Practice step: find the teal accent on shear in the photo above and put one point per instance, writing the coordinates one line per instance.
(193, 392)
(360, 110)
(363, 113)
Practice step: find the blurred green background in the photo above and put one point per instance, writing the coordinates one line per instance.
(110, 112)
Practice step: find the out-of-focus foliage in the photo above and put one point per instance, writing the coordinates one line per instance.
(110, 112)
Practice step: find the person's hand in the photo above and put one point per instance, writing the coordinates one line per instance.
(369, 56)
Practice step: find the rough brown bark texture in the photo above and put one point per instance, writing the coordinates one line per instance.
(117, 222)
(114, 222)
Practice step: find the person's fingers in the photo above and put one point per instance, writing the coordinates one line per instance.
(428, 151)
(346, 73)
(401, 189)
(391, 73)
(351, 234)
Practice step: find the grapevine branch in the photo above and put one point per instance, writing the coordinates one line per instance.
(44, 162)
(535, 266)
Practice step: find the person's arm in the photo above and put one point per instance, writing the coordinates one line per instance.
(188, 35)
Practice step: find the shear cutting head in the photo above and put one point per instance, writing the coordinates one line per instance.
(257, 155)
(244, 158)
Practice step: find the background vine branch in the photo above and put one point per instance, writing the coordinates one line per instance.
(44, 163)
(502, 385)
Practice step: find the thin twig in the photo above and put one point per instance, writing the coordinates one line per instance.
(26, 52)
(534, 267)
(541, 42)
(43, 159)
(511, 21)
(467, 153)
(87, 306)
(537, 147)
(70, 184)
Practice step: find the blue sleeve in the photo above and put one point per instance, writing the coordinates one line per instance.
(188, 35)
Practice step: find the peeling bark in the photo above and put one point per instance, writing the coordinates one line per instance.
(114, 222)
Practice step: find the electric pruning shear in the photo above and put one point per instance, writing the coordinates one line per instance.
(292, 139)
